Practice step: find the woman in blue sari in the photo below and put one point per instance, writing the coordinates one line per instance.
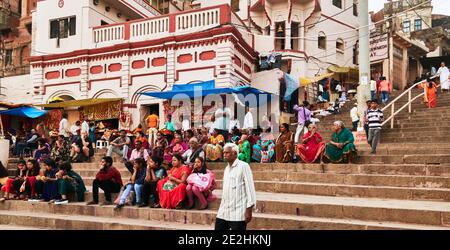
(264, 149)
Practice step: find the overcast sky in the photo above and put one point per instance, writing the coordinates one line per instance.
(439, 6)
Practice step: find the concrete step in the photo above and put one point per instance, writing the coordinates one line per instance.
(400, 159)
(351, 179)
(397, 129)
(347, 179)
(331, 189)
(426, 139)
(78, 216)
(72, 221)
(396, 169)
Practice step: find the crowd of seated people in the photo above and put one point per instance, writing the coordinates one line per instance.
(168, 172)
(50, 181)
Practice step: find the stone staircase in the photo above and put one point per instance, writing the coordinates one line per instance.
(405, 186)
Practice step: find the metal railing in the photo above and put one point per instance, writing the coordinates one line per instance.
(391, 105)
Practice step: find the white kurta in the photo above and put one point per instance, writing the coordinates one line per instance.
(444, 74)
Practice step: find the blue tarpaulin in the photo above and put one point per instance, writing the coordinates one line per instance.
(28, 112)
(199, 90)
(291, 86)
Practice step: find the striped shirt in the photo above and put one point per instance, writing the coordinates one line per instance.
(238, 192)
(375, 118)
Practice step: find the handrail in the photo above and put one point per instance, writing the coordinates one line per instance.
(408, 104)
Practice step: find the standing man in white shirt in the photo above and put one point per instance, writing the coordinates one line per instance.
(373, 89)
(248, 120)
(354, 116)
(64, 126)
(222, 122)
(84, 126)
(339, 89)
(238, 196)
(444, 75)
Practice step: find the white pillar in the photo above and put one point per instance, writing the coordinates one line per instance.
(364, 59)
(171, 66)
(288, 35)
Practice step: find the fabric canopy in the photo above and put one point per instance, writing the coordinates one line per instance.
(192, 86)
(167, 95)
(337, 69)
(79, 103)
(28, 112)
(187, 94)
(306, 81)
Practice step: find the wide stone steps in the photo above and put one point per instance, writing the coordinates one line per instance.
(79, 216)
(82, 222)
(347, 179)
(416, 212)
(384, 169)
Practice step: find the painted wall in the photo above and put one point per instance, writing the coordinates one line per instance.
(17, 89)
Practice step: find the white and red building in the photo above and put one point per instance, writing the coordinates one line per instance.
(88, 49)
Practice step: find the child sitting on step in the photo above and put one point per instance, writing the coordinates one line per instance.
(46, 186)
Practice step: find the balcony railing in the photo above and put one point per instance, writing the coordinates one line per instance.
(150, 29)
(163, 26)
(109, 33)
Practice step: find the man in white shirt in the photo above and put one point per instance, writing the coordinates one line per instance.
(248, 119)
(195, 150)
(75, 127)
(238, 192)
(339, 88)
(85, 126)
(64, 126)
(444, 75)
(185, 124)
(373, 88)
(222, 121)
(354, 116)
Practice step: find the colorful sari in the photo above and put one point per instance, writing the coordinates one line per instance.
(340, 155)
(171, 198)
(244, 151)
(312, 149)
(173, 149)
(264, 149)
(284, 147)
(213, 151)
(430, 96)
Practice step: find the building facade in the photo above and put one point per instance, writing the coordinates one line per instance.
(85, 49)
(127, 58)
(401, 64)
(15, 47)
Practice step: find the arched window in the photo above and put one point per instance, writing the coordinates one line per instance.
(322, 41)
(340, 45)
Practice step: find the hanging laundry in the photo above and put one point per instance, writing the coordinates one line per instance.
(292, 85)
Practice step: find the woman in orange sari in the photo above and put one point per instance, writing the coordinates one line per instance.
(312, 145)
(172, 189)
(430, 93)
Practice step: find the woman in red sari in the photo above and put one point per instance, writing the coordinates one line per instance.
(172, 189)
(312, 145)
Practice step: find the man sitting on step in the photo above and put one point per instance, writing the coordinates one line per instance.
(108, 179)
(120, 146)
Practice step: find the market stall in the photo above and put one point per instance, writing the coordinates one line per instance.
(106, 113)
(25, 112)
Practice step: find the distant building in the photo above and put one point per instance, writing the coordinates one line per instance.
(401, 63)
(15, 46)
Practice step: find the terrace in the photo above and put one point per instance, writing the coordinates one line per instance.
(181, 23)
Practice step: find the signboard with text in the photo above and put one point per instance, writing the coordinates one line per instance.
(379, 47)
